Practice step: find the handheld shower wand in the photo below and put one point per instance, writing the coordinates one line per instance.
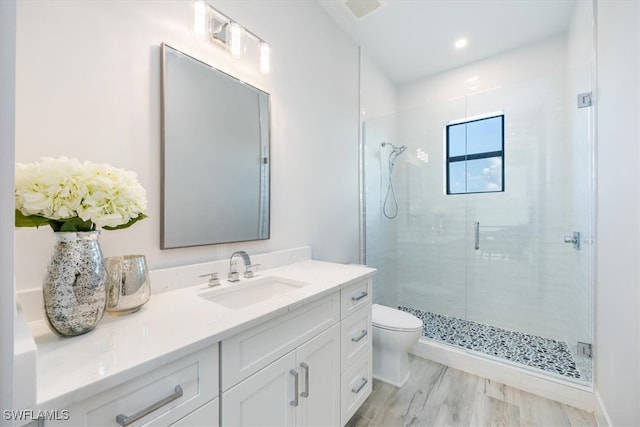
(393, 155)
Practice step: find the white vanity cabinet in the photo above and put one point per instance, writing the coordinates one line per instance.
(207, 415)
(302, 359)
(309, 367)
(356, 364)
(288, 370)
(181, 393)
(299, 389)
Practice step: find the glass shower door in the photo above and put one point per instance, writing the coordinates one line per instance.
(528, 288)
(529, 249)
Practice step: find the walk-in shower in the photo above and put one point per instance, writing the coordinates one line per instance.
(491, 240)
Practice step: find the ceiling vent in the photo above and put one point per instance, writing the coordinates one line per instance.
(360, 8)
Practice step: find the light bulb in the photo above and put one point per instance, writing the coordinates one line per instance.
(200, 18)
(265, 58)
(235, 39)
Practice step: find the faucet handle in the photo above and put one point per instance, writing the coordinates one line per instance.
(213, 279)
(249, 272)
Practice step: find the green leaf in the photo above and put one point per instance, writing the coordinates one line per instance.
(30, 221)
(128, 224)
(69, 225)
(76, 224)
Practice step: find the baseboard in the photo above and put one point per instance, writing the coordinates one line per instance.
(602, 417)
(559, 390)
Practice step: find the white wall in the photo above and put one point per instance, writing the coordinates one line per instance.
(89, 86)
(7, 298)
(617, 356)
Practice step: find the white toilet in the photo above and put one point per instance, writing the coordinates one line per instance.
(395, 332)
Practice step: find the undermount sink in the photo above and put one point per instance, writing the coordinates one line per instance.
(241, 295)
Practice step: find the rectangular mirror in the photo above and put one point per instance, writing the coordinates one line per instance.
(215, 159)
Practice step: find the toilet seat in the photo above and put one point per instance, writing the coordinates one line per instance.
(394, 320)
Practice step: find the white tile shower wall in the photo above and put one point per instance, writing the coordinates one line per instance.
(88, 85)
(378, 99)
(523, 276)
(381, 241)
(431, 244)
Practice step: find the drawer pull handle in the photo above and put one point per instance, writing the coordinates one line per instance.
(124, 420)
(359, 338)
(364, 382)
(359, 297)
(296, 386)
(305, 393)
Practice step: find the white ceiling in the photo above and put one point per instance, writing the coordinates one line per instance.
(409, 39)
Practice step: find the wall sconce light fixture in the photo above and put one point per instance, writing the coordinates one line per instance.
(219, 29)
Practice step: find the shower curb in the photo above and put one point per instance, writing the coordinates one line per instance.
(557, 389)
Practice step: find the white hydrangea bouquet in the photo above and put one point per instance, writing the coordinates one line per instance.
(74, 196)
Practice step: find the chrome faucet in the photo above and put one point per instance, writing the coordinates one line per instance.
(234, 275)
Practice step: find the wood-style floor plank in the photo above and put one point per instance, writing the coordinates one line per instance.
(491, 412)
(439, 396)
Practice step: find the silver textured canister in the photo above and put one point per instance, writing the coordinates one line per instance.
(127, 285)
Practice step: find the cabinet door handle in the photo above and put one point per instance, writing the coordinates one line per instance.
(124, 420)
(364, 382)
(305, 393)
(359, 297)
(296, 387)
(359, 338)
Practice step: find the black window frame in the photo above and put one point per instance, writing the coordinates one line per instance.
(475, 156)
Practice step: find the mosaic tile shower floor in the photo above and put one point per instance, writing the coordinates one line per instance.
(543, 353)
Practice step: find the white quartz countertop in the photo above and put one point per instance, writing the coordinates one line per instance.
(172, 324)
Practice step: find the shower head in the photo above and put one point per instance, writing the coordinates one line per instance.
(396, 150)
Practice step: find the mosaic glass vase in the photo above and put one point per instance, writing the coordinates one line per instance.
(74, 285)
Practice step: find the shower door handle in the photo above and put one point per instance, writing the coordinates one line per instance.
(574, 240)
(476, 246)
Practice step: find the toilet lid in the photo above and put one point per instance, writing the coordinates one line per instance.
(390, 318)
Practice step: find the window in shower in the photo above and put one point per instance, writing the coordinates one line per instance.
(475, 155)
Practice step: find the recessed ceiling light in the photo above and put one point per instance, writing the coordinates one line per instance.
(460, 43)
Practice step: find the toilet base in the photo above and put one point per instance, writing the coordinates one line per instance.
(393, 383)
(390, 365)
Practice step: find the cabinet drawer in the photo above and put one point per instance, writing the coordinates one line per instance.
(356, 337)
(356, 387)
(355, 297)
(207, 415)
(176, 389)
(251, 350)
